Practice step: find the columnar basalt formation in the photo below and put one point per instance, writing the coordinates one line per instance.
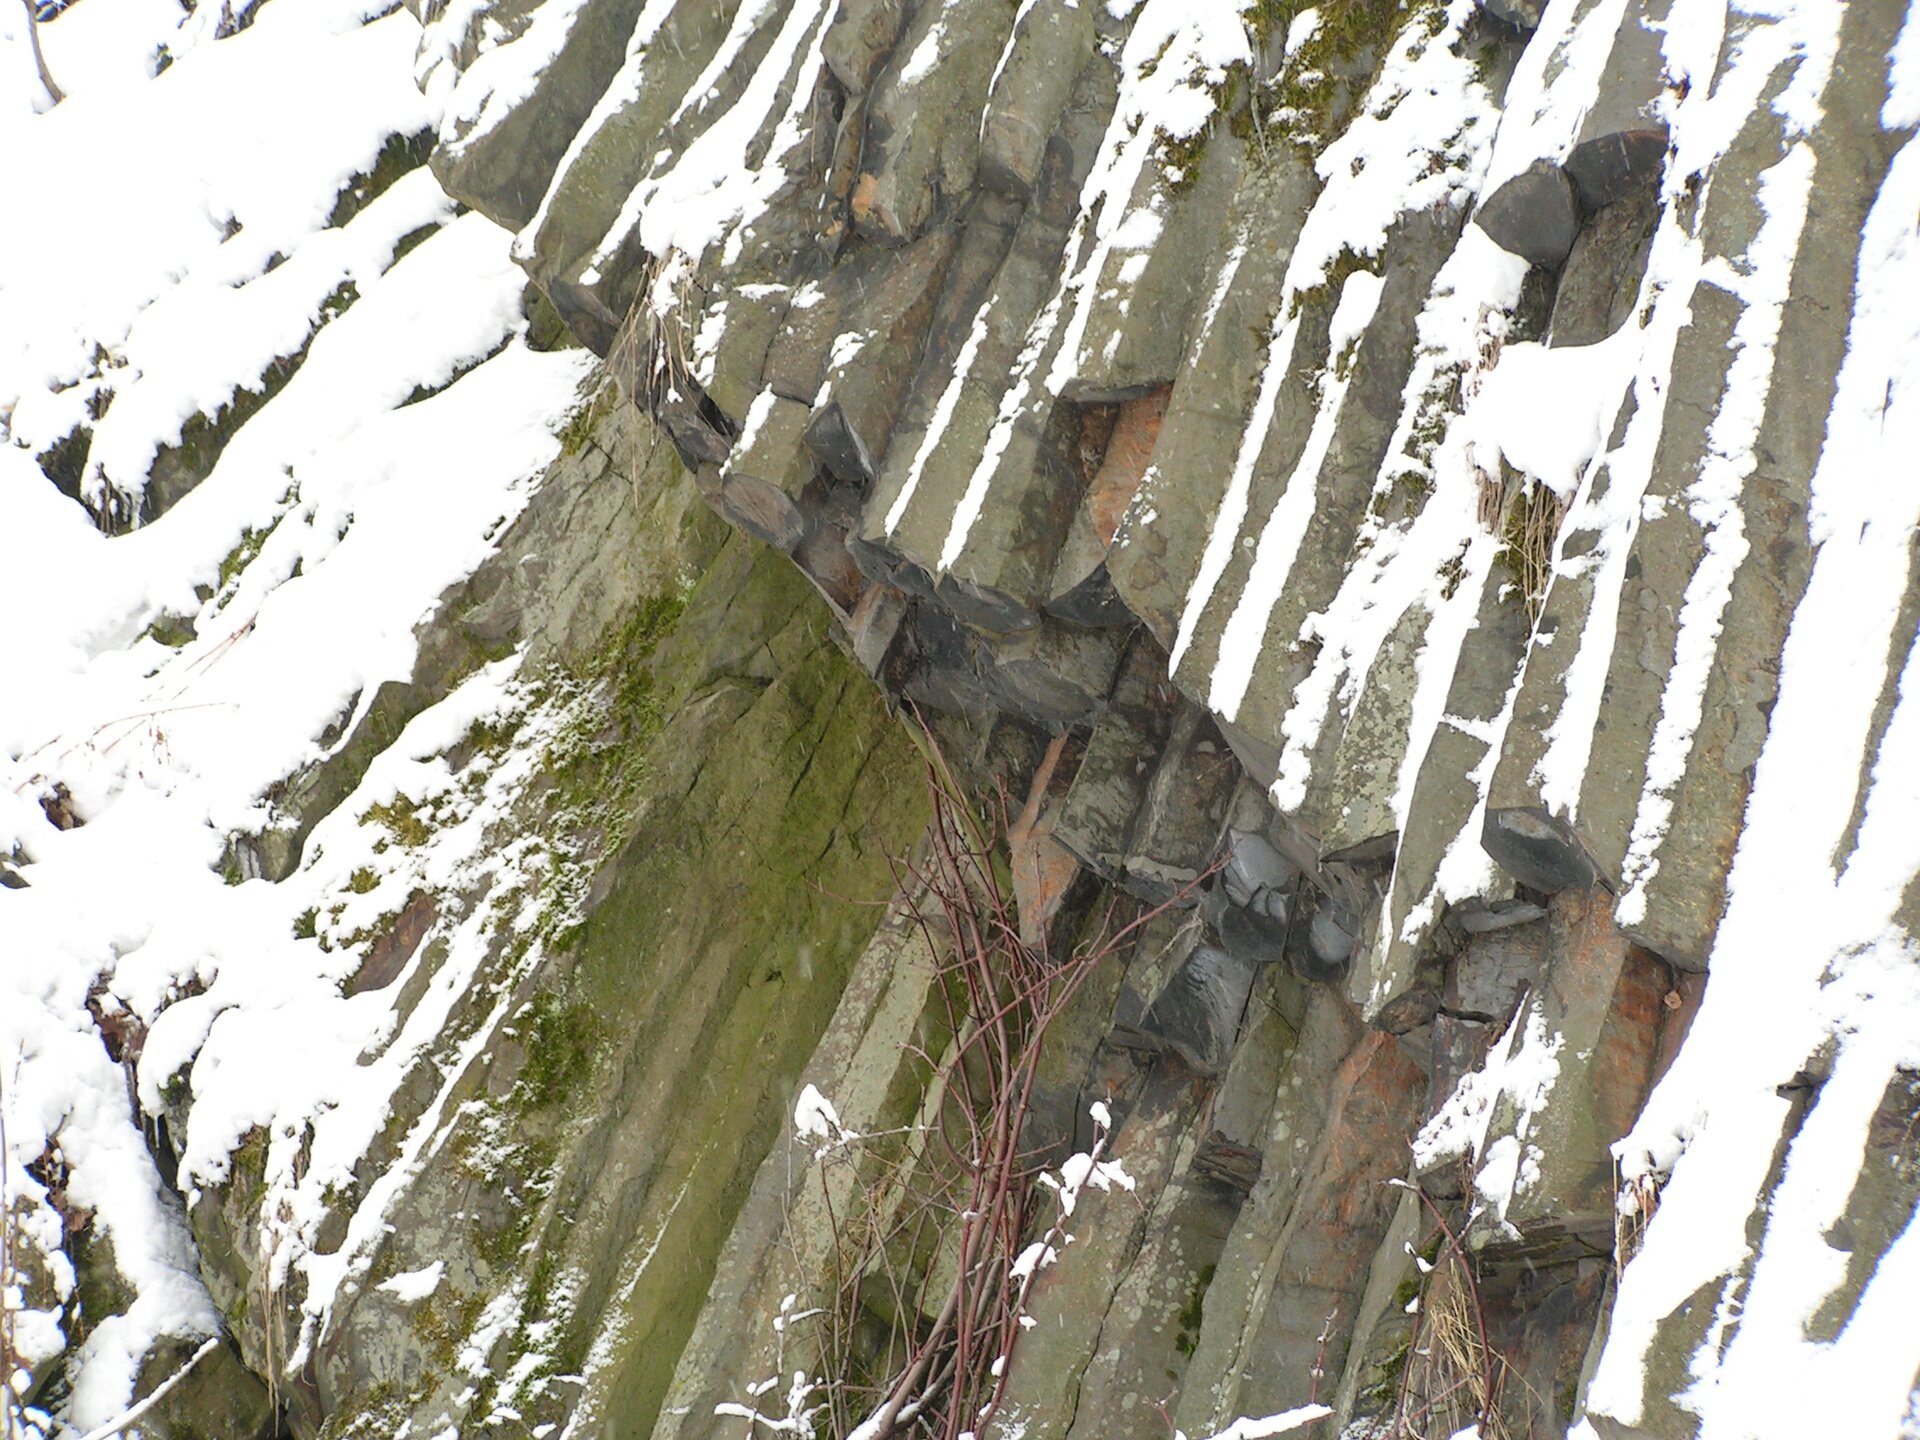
(1370, 497)
(1381, 439)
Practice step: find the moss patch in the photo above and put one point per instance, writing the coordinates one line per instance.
(560, 1041)
(772, 782)
(1309, 100)
(400, 155)
(172, 631)
(601, 402)
(1193, 1313)
(401, 819)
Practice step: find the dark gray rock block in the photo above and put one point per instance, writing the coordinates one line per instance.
(1322, 940)
(1538, 849)
(1604, 168)
(1054, 676)
(1534, 215)
(1198, 1014)
(1600, 281)
(1253, 936)
(1253, 865)
(1622, 135)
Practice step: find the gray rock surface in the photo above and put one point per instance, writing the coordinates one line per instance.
(1134, 417)
(1535, 215)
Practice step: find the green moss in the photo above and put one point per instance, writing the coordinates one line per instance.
(1180, 157)
(581, 425)
(241, 556)
(560, 1041)
(247, 1171)
(1193, 1313)
(306, 925)
(400, 155)
(442, 1321)
(1307, 101)
(599, 763)
(1415, 1281)
(545, 329)
(362, 881)
(769, 794)
(401, 817)
(172, 631)
(377, 1412)
(1379, 1388)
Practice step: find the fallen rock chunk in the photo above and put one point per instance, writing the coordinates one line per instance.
(1536, 214)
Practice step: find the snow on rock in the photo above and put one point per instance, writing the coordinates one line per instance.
(1818, 946)
(1553, 620)
(196, 253)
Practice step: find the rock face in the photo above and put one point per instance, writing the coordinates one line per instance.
(1380, 482)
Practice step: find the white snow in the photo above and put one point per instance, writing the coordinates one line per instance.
(413, 1286)
(814, 1118)
(1284, 1423)
(1547, 409)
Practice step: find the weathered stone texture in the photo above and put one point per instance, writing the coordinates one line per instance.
(1155, 492)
